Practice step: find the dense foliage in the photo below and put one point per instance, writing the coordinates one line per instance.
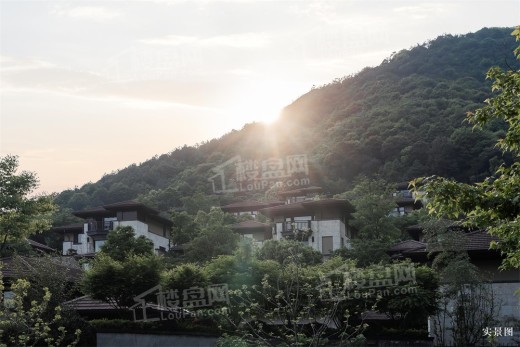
(21, 214)
(494, 203)
(27, 320)
(125, 267)
(401, 120)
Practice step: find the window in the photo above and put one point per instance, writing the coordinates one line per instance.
(78, 238)
(98, 244)
(91, 225)
(108, 223)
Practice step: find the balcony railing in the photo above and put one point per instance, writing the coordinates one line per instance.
(299, 230)
(297, 225)
(99, 228)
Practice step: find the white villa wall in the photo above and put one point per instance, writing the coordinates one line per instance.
(81, 247)
(325, 228)
(335, 228)
(141, 228)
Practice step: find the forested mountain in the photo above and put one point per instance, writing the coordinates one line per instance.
(401, 119)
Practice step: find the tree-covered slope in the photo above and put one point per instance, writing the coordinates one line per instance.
(401, 119)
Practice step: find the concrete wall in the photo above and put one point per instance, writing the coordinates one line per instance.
(81, 247)
(335, 228)
(141, 228)
(151, 340)
(326, 228)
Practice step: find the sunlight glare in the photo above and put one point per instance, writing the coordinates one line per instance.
(262, 102)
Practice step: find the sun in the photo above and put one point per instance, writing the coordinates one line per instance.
(263, 102)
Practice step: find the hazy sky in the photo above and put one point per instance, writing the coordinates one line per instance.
(88, 87)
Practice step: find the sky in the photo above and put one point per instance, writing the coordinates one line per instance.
(89, 87)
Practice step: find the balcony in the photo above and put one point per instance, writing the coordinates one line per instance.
(96, 228)
(298, 230)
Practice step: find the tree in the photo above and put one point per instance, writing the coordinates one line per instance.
(124, 268)
(122, 243)
(23, 323)
(289, 251)
(184, 227)
(20, 214)
(374, 226)
(286, 306)
(118, 282)
(58, 277)
(184, 276)
(466, 303)
(493, 204)
(215, 238)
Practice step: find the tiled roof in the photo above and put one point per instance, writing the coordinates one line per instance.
(85, 303)
(408, 245)
(41, 246)
(479, 240)
(30, 264)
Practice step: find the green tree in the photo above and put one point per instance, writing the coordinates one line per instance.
(493, 204)
(122, 243)
(215, 238)
(184, 227)
(20, 214)
(24, 323)
(374, 228)
(59, 278)
(289, 251)
(125, 267)
(184, 276)
(287, 305)
(118, 282)
(467, 303)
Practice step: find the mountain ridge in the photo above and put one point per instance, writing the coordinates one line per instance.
(399, 120)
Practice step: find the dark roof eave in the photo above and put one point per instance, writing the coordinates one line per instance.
(307, 206)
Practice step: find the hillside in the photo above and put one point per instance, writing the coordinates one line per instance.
(401, 119)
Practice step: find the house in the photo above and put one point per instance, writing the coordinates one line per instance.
(320, 224)
(88, 237)
(476, 243)
(406, 200)
(253, 230)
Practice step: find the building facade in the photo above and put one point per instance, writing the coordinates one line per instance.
(320, 224)
(88, 237)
